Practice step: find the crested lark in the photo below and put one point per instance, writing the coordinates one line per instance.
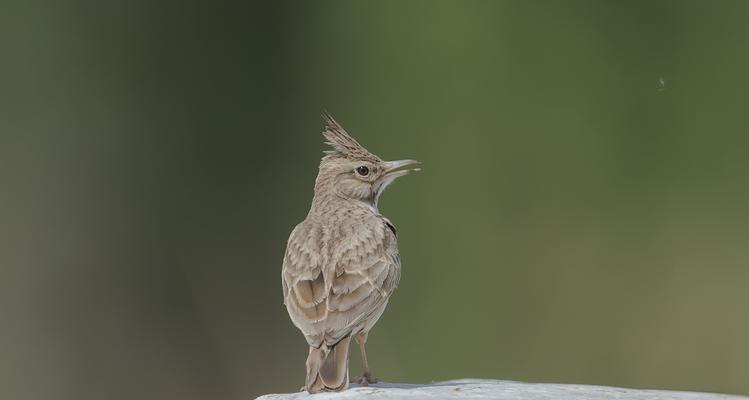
(342, 263)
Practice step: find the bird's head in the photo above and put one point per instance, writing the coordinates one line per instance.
(352, 172)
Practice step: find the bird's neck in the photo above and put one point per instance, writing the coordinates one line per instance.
(329, 203)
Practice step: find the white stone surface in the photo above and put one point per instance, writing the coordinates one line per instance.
(500, 390)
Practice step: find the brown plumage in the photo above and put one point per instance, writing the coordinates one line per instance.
(342, 263)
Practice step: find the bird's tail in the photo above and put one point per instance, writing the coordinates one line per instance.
(327, 368)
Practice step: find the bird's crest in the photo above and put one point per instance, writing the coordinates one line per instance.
(343, 144)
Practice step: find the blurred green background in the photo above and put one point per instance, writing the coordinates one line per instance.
(577, 219)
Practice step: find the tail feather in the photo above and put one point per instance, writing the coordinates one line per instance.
(327, 369)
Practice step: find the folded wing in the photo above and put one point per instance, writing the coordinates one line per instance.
(338, 287)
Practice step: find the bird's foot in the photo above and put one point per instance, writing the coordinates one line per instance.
(364, 379)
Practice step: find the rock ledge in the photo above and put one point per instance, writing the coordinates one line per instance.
(500, 390)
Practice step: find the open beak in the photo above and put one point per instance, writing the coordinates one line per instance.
(394, 169)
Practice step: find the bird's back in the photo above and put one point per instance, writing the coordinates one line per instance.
(338, 274)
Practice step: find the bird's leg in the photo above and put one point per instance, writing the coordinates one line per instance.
(366, 377)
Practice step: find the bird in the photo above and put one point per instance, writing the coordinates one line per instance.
(341, 263)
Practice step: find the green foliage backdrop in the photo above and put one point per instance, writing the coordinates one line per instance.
(582, 214)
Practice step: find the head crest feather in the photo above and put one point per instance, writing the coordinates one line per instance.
(343, 144)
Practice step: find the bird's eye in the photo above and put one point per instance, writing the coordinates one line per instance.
(362, 170)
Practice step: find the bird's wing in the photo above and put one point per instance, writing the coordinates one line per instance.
(303, 284)
(367, 272)
(330, 293)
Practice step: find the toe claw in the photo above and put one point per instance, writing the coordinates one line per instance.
(360, 380)
(364, 379)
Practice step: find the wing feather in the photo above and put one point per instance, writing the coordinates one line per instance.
(330, 296)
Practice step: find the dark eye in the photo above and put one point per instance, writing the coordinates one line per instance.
(363, 170)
